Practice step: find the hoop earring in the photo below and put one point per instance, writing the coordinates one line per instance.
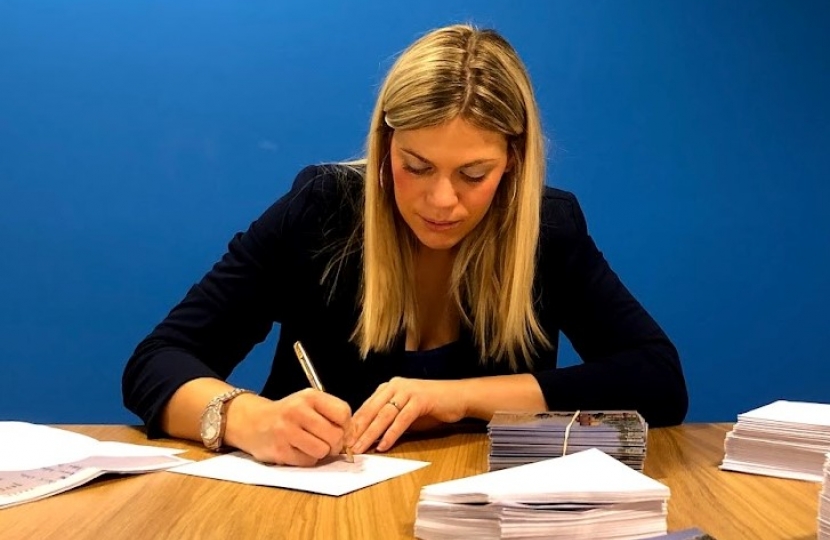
(382, 171)
(514, 192)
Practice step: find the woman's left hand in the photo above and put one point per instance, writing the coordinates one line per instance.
(402, 403)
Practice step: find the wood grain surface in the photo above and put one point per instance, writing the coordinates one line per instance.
(164, 505)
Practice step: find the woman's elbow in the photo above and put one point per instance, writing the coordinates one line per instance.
(669, 401)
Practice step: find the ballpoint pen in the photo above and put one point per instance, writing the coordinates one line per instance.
(314, 381)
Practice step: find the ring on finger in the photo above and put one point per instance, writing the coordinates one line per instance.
(392, 402)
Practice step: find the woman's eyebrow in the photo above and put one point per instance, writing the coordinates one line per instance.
(428, 162)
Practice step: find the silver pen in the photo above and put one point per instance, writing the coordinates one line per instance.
(314, 381)
(308, 367)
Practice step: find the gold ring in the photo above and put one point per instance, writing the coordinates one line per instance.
(392, 402)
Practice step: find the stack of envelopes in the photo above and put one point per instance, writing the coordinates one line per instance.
(518, 438)
(787, 439)
(586, 495)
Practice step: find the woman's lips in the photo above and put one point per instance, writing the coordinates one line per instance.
(439, 226)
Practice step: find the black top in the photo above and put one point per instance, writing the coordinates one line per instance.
(271, 274)
(438, 363)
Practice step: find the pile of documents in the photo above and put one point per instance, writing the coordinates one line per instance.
(584, 495)
(824, 504)
(39, 461)
(518, 438)
(787, 439)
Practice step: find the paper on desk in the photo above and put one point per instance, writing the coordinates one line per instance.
(590, 476)
(26, 447)
(791, 412)
(39, 461)
(785, 439)
(333, 477)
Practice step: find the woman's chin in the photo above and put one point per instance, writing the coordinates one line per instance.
(438, 242)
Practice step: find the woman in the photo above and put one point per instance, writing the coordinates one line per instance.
(428, 283)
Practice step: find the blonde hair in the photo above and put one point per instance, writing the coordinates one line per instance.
(457, 71)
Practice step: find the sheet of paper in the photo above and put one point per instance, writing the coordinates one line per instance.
(25, 446)
(116, 449)
(333, 477)
(587, 476)
(800, 412)
(38, 461)
(28, 447)
(17, 487)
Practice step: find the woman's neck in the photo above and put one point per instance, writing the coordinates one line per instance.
(438, 317)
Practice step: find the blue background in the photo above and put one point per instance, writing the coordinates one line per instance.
(137, 137)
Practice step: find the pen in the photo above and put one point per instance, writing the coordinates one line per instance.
(314, 380)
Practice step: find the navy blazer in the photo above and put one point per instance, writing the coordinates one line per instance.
(271, 273)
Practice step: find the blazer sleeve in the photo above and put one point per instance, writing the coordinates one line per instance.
(223, 316)
(628, 360)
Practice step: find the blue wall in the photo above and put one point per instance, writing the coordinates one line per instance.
(137, 137)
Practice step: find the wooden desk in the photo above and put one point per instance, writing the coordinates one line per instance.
(165, 505)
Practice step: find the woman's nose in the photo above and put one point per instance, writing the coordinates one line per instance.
(443, 194)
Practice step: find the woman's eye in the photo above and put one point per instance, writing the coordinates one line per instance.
(478, 177)
(416, 170)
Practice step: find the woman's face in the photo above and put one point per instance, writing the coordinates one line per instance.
(445, 178)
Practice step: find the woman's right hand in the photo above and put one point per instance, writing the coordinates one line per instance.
(300, 429)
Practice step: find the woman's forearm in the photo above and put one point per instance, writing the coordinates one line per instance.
(182, 415)
(486, 395)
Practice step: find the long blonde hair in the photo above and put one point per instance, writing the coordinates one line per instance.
(457, 71)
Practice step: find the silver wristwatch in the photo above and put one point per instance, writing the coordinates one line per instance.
(213, 418)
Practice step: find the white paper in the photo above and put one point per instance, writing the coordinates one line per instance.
(17, 487)
(333, 477)
(25, 447)
(786, 439)
(28, 447)
(39, 461)
(795, 412)
(116, 449)
(589, 476)
(585, 495)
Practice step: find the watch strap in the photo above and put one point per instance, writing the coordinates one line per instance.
(217, 406)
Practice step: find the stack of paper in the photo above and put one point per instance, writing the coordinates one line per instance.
(824, 504)
(579, 496)
(39, 461)
(787, 439)
(518, 438)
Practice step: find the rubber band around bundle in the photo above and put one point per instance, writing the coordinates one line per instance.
(568, 432)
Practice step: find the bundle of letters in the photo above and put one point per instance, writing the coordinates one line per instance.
(787, 439)
(824, 504)
(518, 438)
(586, 495)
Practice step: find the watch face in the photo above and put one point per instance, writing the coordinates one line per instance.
(210, 424)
